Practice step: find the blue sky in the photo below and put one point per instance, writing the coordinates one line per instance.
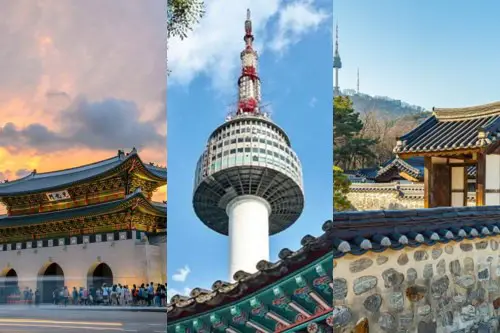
(293, 39)
(426, 52)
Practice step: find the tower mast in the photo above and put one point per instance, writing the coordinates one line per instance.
(357, 86)
(249, 97)
(337, 63)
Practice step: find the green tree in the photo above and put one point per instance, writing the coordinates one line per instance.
(340, 190)
(182, 15)
(351, 149)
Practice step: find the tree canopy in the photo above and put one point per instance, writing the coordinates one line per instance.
(182, 15)
(351, 149)
(341, 187)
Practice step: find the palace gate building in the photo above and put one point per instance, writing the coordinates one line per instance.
(84, 226)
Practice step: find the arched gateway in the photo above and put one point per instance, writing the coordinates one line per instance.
(50, 278)
(9, 284)
(98, 275)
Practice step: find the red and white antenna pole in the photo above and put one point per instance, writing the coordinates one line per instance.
(249, 82)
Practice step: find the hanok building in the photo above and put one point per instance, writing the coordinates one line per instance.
(397, 184)
(451, 141)
(84, 226)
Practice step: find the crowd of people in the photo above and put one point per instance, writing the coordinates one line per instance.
(146, 294)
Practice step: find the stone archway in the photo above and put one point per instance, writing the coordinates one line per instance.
(9, 284)
(99, 274)
(50, 278)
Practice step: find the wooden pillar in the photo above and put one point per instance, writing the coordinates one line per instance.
(480, 179)
(427, 182)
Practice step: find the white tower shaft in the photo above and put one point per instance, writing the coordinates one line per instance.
(248, 233)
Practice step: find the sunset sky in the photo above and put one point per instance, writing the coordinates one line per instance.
(80, 80)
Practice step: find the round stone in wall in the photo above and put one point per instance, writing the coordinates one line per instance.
(440, 286)
(403, 259)
(466, 247)
(396, 301)
(416, 293)
(341, 316)
(373, 302)
(424, 310)
(392, 278)
(428, 271)
(364, 284)
(420, 255)
(425, 327)
(455, 267)
(441, 267)
(411, 274)
(339, 289)
(468, 313)
(483, 273)
(482, 245)
(448, 249)
(360, 265)
(468, 265)
(436, 252)
(494, 245)
(382, 260)
(387, 322)
(465, 281)
(406, 319)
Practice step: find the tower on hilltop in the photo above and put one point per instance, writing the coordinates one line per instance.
(337, 63)
(248, 181)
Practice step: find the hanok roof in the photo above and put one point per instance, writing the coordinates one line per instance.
(222, 292)
(414, 167)
(457, 129)
(135, 199)
(360, 232)
(37, 182)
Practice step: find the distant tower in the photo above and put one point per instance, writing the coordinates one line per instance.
(248, 181)
(337, 63)
(357, 85)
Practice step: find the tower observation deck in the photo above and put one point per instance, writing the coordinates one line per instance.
(248, 181)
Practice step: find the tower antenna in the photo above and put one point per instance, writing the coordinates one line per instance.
(357, 87)
(337, 63)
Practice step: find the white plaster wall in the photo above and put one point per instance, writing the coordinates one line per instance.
(128, 260)
(457, 183)
(492, 180)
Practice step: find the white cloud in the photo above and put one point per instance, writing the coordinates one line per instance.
(296, 19)
(212, 48)
(172, 292)
(182, 274)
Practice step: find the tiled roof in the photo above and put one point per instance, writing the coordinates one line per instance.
(103, 208)
(36, 182)
(413, 166)
(202, 300)
(454, 129)
(359, 232)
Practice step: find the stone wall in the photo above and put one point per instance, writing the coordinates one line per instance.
(381, 200)
(390, 196)
(451, 287)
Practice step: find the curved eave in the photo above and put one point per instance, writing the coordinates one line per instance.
(125, 163)
(224, 293)
(357, 233)
(136, 199)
